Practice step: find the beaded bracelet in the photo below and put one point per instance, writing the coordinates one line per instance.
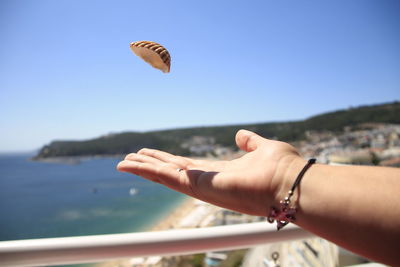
(285, 214)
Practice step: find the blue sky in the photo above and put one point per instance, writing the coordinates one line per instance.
(66, 70)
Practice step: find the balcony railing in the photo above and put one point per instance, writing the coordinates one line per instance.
(84, 249)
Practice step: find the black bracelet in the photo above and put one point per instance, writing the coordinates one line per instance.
(285, 214)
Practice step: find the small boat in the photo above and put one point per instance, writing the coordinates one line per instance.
(133, 191)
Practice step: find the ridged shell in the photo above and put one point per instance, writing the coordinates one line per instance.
(153, 53)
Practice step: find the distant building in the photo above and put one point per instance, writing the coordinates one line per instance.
(362, 157)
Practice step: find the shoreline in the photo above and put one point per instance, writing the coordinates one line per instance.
(170, 221)
(74, 159)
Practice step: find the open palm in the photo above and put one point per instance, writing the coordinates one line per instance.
(248, 184)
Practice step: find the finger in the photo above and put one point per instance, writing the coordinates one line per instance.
(165, 174)
(248, 141)
(165, 157)
(129, 166)
(142, 158)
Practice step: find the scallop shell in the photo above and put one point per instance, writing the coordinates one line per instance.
(153, 53)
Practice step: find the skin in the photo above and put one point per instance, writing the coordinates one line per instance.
(355, 207)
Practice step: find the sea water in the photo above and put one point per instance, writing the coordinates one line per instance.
(41, 200)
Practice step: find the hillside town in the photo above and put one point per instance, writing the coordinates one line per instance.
(365, 144)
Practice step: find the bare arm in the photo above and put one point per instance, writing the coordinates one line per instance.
(354, 206)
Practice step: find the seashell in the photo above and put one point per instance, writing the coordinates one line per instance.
(153, 53)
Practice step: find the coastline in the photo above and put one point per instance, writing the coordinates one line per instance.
(169, 221)
(73, 160)
(172, 219)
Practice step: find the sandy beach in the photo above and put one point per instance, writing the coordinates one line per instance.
(171, 221)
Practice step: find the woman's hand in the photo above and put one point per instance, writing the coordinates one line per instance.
(355, 207)
(249, 184)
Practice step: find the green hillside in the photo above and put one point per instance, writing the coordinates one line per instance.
(172, 140)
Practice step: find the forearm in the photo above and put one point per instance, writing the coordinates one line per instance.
(354, 206)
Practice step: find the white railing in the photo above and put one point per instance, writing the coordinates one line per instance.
(83, 249)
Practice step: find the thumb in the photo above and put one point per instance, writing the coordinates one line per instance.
(248, 141)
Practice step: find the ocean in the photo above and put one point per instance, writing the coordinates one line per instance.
(41, 200)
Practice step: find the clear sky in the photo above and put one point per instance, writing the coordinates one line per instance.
(66, 70)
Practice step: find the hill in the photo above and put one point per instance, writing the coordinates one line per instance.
(191, 141)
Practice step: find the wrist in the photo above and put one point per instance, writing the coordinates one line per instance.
(288, 169)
